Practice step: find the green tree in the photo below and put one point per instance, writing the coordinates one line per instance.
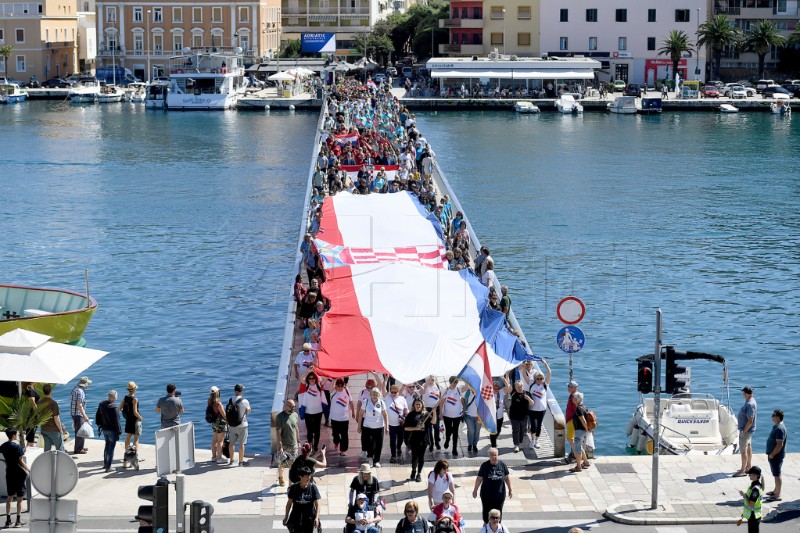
(760, 40)
(20, 414)
(291, 48)
(718, 33)
(674, 46)
(5, 52)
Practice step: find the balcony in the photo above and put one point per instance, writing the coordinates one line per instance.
(462, 49)
(732, 11)
(449, 23)
(461, 23)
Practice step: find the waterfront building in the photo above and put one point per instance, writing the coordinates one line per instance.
(350, 20)
(744, 14)
(625, 37)
(142, 35)
(45, 37)
(476, 28)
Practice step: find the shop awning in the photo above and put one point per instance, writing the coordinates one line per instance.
(553, 74)
(504, 74)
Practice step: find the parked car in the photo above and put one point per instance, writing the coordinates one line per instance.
(56, 83)
(633, 89)
(380, 77)
(735, 90)
(763, 84)
(617, 85)
(709, 91)
(391, 71)
(793, 88)
(716, 83)
(777, 89)
(408, 72)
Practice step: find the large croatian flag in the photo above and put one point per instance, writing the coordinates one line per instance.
(335, 256)
(479, 378)
(346, 138)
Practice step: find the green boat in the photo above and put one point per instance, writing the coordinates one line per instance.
(63, 315)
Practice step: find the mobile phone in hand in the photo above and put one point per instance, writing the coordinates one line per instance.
(324, 447)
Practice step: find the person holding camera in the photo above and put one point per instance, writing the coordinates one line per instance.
(170, 407)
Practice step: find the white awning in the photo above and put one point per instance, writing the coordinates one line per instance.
(495, 74)
(553, 74)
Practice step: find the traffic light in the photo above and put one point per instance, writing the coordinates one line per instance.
(676, 379)
(157, 514)
(645, 375)
(200, 517)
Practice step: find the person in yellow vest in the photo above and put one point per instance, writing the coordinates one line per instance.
(752, 501)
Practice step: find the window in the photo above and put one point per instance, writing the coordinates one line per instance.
(197, 14)
(158, 43)
(651, 15)
(498, 13)
(524, 13)
(216, 14)
(137, 14)
(622, 15)
(497, 38)
(477, 38)
(681, 15)
(158, 14)
(244, 42)
(591, 15)
(592, 43)
(455, 12)
(564, 15)
(464, 12)
(2, 38)
(464, 38)
(244, 14)
(622, 43)
(651, 43)
(177, 14)
(563, 43)
(111, 13)
(20, 63)
(3, 64)
(523, 39)
(177, 42)
(197, 40)
(477, 13)
(20, 36)
(138, 43)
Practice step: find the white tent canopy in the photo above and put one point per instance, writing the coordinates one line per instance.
(29, 356)
(281, 76)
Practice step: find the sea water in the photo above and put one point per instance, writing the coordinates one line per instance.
(188, 224)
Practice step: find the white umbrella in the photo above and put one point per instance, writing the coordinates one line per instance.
(281, 76)
(306, 71)
(29, 356)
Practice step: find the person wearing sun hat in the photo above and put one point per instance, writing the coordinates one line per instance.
(133, 419)
(77, 410)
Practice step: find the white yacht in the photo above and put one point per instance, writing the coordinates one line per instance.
(690, 423)
(156, 97)
(780, 104)
(137, 92)
(85, 90)
(624, 105)
(110, 94)
(526, 107)
(202, 79)
(567, 104)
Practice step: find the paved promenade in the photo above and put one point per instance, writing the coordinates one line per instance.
(692, 490)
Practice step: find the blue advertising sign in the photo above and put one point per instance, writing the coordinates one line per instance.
(318, 43)
(570, 339)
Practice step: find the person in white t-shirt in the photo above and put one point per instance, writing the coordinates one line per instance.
(431, 394)
(363, 396)
(452, 409)
(373, 423)
(537, 410)
(397, 411)
(500, 394)
(439, 482)
(342, 410)
(304, 359)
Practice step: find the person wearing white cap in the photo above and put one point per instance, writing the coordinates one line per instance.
(77, 409)
(361, 516)
(304, 360)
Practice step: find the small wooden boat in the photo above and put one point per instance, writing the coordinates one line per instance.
(728, 108)
(63, 315)
(11, 93)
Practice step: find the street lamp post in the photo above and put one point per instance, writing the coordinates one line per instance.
(147, 47)
(504, 31)
(697, 47)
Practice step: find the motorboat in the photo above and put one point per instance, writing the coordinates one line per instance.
(85, 90)
(525, 107)
(156, 97)
(137, 92)
(728, 108)
(200, 79)
(624, 105)
(780, 104)
(567, 104)
(110, 94)
(61, 314)
(690, 423)
(650, 105)
(11, 93)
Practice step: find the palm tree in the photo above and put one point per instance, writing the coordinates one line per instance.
(674, 46)
(20, 414)
(759, 40)
(5, 52)
(718, 33)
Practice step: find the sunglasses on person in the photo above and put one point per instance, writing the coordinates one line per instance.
(494, 518)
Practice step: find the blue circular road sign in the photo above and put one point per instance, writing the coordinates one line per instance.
(570, 339)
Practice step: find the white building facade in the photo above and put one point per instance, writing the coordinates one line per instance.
(624, 36)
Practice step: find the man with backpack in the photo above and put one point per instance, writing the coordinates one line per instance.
(236, 414)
